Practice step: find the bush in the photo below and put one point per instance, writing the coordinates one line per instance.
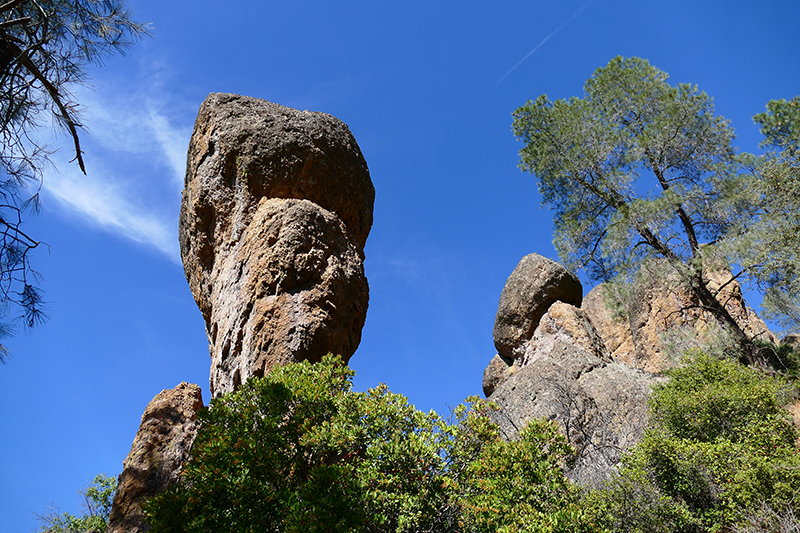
(300, 451)
(97, 499)
(720, 445)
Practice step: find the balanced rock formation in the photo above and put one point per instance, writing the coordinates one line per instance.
(567, 375)
(591, 369)
(553, 363)
(276, 209)
(534, 285)
(160, 448)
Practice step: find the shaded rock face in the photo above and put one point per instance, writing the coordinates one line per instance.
(159, 450)
(659, 314)
(498, 370)
(534, 285)
(276, 209)
(567, 375)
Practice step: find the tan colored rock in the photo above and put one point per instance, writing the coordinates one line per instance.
(159, 450)
(243, 149)
(664, 321)
(792, 339)
(794, 410)
(534, 285)
(568, 325)
(276, 210)
(293, 288)
(614, 330)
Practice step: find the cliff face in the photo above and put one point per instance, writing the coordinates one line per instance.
(658, 316)
(276, 210)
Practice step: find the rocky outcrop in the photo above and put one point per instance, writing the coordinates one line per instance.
(161, 446)
(275, 213)
(534, 285)
(661, 320)
(591, 369)
(567, 375)
(792, 339)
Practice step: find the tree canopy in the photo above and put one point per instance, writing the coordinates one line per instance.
(640, 172)
(97, 499)
(770, 243)
(46, 47)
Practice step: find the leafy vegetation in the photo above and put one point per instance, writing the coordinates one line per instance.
(97, 499)
(720, 448)
(643, 176)
(298, 450)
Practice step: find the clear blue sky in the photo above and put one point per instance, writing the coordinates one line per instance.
(427, 89)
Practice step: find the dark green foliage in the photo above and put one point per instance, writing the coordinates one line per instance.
(97, 499)
(780, 125)
(771, 241)
(629, 169)
(519, 486)
(720, 445)
(299, 451)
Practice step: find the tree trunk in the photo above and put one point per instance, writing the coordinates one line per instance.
(749, 353)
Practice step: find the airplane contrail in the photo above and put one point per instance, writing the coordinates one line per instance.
(552, 33)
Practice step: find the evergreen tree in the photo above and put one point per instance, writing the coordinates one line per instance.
(641, 173)
(45, 49)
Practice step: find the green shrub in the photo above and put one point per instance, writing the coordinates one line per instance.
(97, 499)
(720, 445)
(300, 451)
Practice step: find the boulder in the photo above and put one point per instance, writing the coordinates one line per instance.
(498, 370)
(243, 149)
(792, 339)
(568, 376)
(534, 285)
(293, 288)
(276, 210)
(159, 450)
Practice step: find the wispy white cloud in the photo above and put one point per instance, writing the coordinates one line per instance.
(104, 204)
(135, 156)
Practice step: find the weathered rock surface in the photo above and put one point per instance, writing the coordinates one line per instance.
(275, 213)
(567, 375)
(660, 315)
(498, 370)
(160, 448)
(293, 288)
(792, 339)
(243, 149)
(534, 285)
(613, 329)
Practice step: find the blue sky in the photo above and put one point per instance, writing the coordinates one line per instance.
(427, 89)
